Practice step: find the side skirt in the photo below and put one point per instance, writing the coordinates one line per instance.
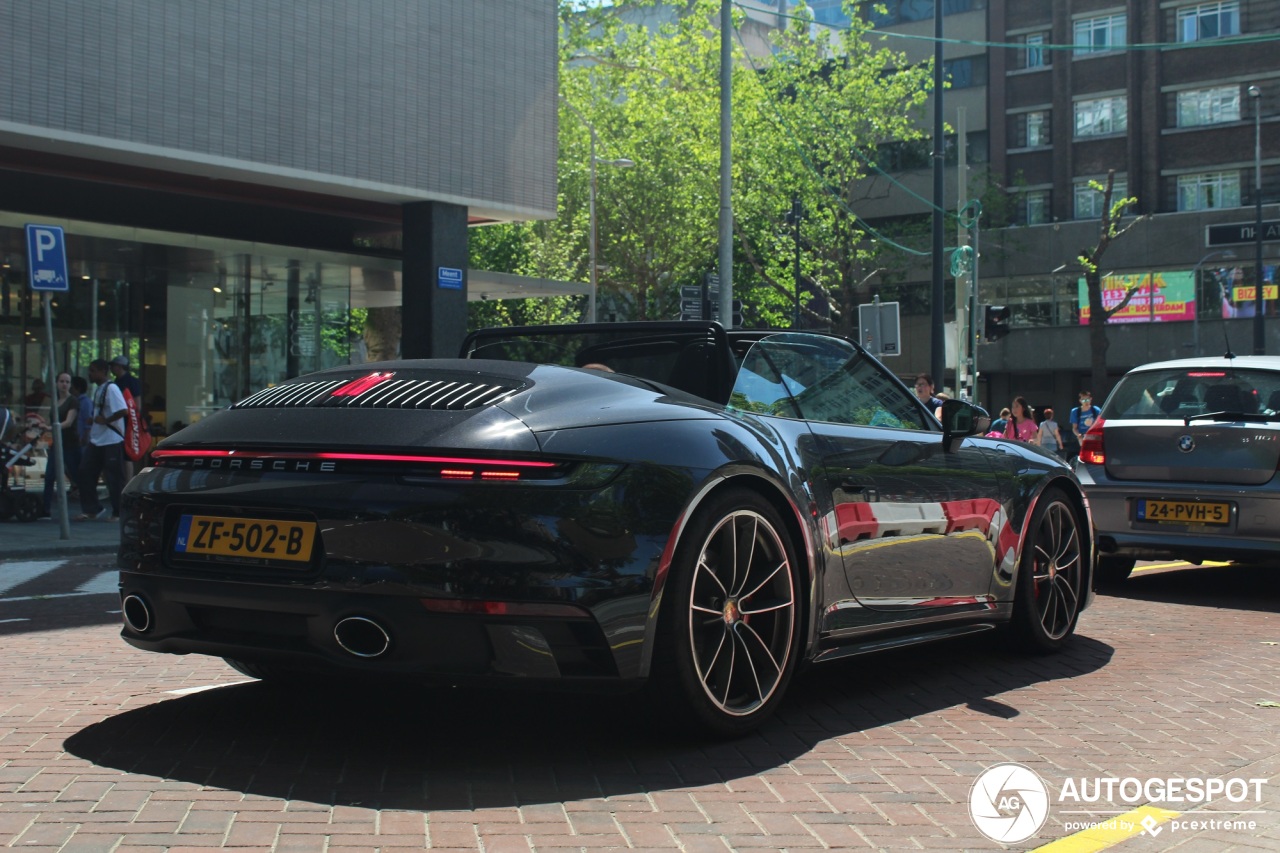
(883, 643)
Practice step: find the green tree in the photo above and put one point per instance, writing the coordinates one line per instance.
(826, 101)
(1090, 258)
(644, 74)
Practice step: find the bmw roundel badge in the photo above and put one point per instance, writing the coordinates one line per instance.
(1186, 444)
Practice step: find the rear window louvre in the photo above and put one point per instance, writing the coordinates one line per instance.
(437, 394)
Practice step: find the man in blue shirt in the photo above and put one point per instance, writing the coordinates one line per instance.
(1084, 415)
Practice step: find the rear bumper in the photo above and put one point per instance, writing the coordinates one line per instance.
(519, 583)
(303, 629)
(1252, 533)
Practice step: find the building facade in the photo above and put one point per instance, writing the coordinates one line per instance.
(236, 178)
(1168, 94)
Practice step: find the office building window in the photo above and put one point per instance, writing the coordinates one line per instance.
(905, 11)
(1034, 55)
(1035, 207)
(1101, 116)
(1209, 21)
(1097, 35)
(967, 72)
(1031, 130)
(1208, 106)
(1088, 201)
(1208, 191)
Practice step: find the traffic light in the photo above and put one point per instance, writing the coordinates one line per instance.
(997, 322)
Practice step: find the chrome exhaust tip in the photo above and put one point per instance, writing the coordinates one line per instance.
(136, 612)
(362, 637)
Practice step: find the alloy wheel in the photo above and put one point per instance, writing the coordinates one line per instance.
(1056, 570)
(742, 613)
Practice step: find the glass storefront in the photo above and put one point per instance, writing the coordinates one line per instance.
(204, 322)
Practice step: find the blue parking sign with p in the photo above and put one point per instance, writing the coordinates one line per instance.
(47, 258)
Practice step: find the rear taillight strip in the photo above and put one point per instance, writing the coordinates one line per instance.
(353, 457)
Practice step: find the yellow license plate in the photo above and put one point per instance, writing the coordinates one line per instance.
(263, 539)
(1184, 512)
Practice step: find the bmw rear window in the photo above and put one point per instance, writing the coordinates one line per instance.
(1177, 393)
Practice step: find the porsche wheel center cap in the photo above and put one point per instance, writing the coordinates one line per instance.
(731, 612)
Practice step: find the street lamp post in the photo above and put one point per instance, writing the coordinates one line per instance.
(1225, 254)
(1259, 330)
(621, 162)
(793, 218)
(592, 246)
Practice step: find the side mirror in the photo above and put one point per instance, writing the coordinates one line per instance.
(961, 420)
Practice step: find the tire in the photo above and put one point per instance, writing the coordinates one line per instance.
(1114, 570)
(1050, 585)
(729, 626)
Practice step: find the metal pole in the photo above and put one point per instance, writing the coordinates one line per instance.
(973, 306)
(964, 367)
(591, 215)
(937, 337)
(64, 522)
(1259, 330)
(726, 161)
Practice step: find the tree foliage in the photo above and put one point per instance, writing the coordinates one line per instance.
(644, 74)
(1090, 258)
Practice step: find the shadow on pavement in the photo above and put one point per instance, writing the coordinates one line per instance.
(1235, 587)
(449, 749)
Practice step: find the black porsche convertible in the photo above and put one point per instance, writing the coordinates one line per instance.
(666, 507)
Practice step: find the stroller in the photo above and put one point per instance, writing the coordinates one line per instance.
(17, 438)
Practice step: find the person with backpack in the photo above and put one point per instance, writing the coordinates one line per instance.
(1084, 416)
(104, 454)
(127, 382)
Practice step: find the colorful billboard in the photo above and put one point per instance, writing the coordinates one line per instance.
(1158, 298)
(1238, 299)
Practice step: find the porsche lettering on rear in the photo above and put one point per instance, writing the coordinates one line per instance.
(216, 463)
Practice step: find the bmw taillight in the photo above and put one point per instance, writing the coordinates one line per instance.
(1093, 450)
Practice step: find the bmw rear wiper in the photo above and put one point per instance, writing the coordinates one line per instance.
(1230, 416)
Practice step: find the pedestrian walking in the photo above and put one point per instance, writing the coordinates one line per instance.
(1022, 422)
(1050, 437)
(68, 414)
(104, 456)
(1084, 415)
(126, 381)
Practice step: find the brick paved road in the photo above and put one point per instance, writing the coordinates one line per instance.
(101, 750)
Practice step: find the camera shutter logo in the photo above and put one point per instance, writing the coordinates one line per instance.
(1008, 803)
